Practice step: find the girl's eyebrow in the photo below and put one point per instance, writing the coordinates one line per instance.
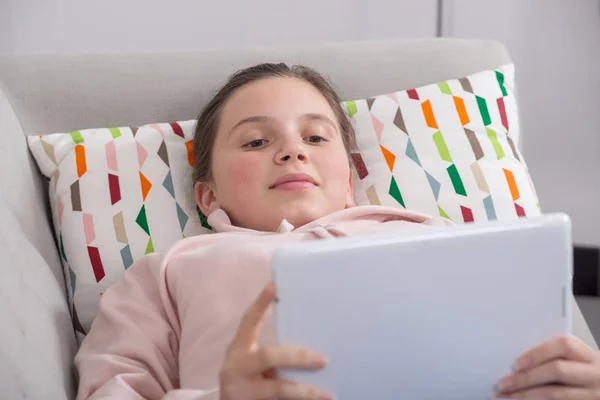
(318, 117)
(304, 117)
(256, 118)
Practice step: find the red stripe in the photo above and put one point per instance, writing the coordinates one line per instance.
(96, 263)
(177, 129)
(467, 214)
(502, 110)
(412, 94)
(114, 188)
(520, 210)
(360, 166)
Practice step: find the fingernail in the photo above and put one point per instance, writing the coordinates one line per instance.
(505, 384)
(498, 388)
(314, 360)
(319, 361)
(521, 364)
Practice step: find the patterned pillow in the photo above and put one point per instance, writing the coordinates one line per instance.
(116, 194)
(449, 149)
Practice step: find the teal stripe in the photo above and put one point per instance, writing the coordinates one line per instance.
(490, 210)
(126, 256)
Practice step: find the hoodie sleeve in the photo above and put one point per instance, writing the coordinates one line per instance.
(131, 351)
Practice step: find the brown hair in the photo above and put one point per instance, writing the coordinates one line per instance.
(208, 120)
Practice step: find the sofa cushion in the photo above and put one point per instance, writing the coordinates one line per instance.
(37, 343)
(23, 188)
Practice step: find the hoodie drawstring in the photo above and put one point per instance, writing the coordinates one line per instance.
(327, 232)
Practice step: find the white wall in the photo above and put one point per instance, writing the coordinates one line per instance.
(124, 25)
(555, 45)
(4, 24)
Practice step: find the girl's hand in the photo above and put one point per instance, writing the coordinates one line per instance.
(249, 372)
(561, 368)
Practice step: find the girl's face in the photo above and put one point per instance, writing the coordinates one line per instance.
(278, 154)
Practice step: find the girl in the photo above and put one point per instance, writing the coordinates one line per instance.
(272, 167)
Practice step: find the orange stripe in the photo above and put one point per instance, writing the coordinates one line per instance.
(80, 160)
(389, 157)
(190, 150)
(428, 113)
(461, 110)
(512, 184)
(146, 185)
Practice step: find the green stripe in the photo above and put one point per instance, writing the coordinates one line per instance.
(483, 109)
(62, 248)
(76, 136)
(500, 77)
(150, 247)
(443, 213)
(142, 220)
(395, 192)
(497, 146)
(445, 88)
(203, 219)
(116, 132)
(440, 143)
(351, 107)
(459, 188)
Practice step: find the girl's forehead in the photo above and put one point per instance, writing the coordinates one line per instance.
(279, 98)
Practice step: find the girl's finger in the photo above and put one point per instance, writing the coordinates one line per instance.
(565, 347)
(551, 392)
(275, 390)
(277, 357)
(570, 373)
(249, 327)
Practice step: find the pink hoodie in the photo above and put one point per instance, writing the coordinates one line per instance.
(162, 331)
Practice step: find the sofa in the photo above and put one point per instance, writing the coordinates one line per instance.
(46, 93)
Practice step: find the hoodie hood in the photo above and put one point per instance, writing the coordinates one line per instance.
(220, 221)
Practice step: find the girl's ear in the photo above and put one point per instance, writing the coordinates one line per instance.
(350, 195)
(206, 197)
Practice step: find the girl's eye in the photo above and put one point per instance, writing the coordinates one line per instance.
(256, 143)
(315, 139)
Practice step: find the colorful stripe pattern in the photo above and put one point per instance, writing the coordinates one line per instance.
(450, 149)
(115, 188)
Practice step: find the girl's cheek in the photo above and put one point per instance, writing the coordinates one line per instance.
(336, 165)
(244, 170)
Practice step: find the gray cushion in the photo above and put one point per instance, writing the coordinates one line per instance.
(24, 192)
(57, 93)
(37, 342)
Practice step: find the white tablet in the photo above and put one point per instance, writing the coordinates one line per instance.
(434, 314)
